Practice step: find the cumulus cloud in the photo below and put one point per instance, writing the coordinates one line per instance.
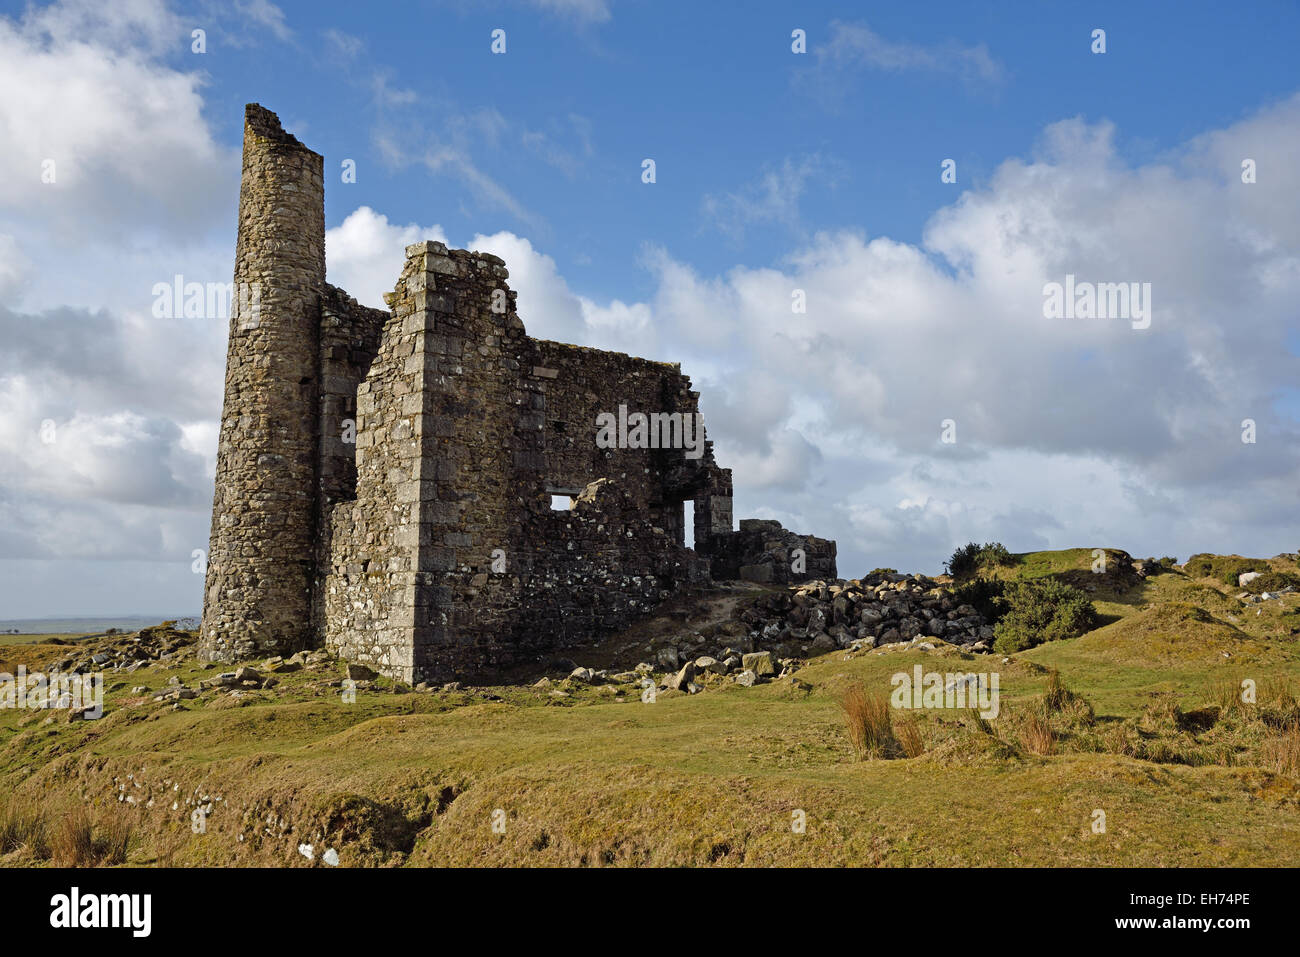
(108, 408)
(107, 414)
(364, 253)
(898, 338)
(97, 131)
(1068, 431)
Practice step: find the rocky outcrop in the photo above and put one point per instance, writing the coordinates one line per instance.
(765, 552)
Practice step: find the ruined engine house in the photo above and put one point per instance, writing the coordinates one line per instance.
(385, 478)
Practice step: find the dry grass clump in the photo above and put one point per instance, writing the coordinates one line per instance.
(1073, 709)
(23, 827)
(867, 718)
(83, 840)
(909, 738)
(1281, 752)
(1036, 734)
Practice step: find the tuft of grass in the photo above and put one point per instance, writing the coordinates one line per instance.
(909, 738)
(1036, 734)
(1281, 752)
(1278, 697)
(1226, 695)
(83, 840)
(1055, 695)
(867, 717)
(1072, 712)
(23, 827)
(72, 843)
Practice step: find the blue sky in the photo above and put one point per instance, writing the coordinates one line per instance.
(716, 97)
(775, 172)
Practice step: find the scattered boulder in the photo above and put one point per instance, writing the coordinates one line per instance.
(682, 679)
(760, 663)
(705, 663)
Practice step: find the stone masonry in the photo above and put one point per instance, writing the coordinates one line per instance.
(763, 551)
(385, 478)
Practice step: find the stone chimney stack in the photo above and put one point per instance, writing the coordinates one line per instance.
(257, 599)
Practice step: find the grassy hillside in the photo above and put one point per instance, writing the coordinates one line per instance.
(1150, 730)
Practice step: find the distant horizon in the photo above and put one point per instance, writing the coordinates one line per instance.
(100, 622)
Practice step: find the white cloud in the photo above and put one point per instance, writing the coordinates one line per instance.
(79, 90)
(345, 43)
(1076, 431)
(364, 254)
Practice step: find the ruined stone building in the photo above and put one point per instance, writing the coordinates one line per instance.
(385, 479)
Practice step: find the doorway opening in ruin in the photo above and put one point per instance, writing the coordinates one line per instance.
(688, 523)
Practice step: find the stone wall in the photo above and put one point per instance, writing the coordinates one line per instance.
(582, 384)
(595, 569)
(349, 340)
(451, 562)
(763, 551)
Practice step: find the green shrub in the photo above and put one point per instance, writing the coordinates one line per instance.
(1039, 610)
(1271, 581)
(970, 558)
(984, 595)
(1225, 568)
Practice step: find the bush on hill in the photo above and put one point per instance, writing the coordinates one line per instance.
(969, 559)
(1225, 568)
(1271, 581)
(1039, 610)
